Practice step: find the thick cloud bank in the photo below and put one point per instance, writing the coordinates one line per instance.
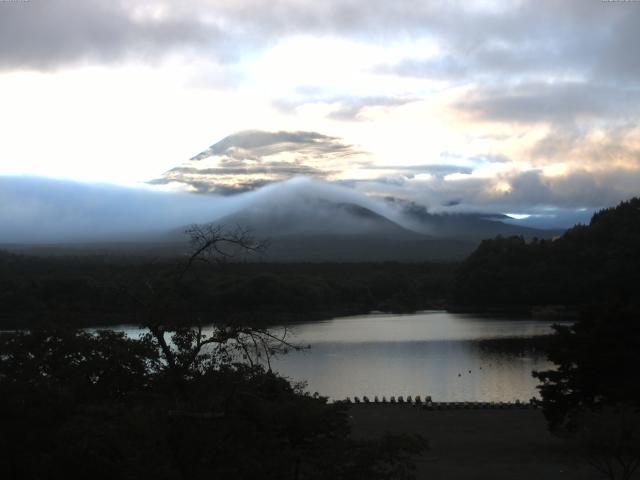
(34, 210)
(38, 210)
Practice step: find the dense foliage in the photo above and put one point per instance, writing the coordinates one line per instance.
(88, 291)
(180, 402)
(596, 365)
(77, 405)
(599, 262)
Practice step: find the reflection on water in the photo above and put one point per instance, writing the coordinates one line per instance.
(440, 354)
(431, 353)
(431, 326)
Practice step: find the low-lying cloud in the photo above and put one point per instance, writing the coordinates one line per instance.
(525, 192)
(40, 210)
(36, 210)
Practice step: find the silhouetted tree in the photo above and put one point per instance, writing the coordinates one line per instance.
(183, 401)
(596, 361)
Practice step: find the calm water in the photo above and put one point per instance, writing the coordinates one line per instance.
(430, 353)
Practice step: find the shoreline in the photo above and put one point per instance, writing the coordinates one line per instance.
(106, 321)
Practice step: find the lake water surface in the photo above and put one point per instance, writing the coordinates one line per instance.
(441, 354)
(433, 353)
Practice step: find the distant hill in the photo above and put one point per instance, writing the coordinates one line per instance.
(314, 221)
(468, 226)
(599, 262)
(314, 216)
(314, 228)
(305, 219)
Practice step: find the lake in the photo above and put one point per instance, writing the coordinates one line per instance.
(434, 353)
(449, 356)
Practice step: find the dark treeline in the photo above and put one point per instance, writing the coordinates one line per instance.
(97, 290)
(177, 403)
(588, 264)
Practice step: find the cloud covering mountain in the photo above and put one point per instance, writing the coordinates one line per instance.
(529, 107)
(247, 160)
(40, 210)
(303, 219)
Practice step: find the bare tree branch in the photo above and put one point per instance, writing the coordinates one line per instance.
(188, 349)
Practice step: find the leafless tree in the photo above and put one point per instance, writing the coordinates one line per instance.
(189, 347)
(214, 244)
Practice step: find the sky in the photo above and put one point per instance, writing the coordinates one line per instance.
(528, 107)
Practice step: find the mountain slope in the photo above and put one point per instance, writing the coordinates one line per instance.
(595, 263)
(309, 220)
(468, 226)
(322, 230)
(314, 217)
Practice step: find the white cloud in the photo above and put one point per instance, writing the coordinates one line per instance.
(122, 91)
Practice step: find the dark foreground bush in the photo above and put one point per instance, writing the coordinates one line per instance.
(103, 406)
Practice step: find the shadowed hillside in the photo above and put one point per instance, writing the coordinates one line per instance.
(588, 264)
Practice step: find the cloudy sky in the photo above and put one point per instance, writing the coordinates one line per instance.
(511, 106)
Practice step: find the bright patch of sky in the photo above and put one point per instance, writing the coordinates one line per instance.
(530, 103)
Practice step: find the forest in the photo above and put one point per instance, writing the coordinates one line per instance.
(179, 403)
(87, 291)
(588, 264)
